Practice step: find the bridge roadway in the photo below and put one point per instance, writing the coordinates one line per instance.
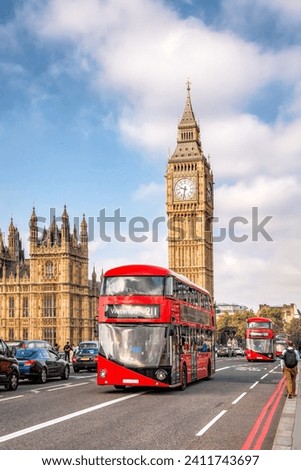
(240, 408)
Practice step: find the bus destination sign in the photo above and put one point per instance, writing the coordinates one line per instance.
(132, 311)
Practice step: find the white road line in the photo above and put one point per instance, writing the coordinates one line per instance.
(43, 388)
(254, 385)
(202, 431)
(22, 432)
(63, 387)
(264, 376)
(91, 376)
(239, 398)
(11, 398)
(223, 368)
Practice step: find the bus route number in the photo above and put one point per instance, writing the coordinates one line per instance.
(221, 460)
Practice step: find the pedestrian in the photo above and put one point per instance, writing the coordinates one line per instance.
(289, 365)
(67, 350)
(56, 348)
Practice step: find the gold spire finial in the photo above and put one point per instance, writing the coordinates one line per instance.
(188, 83)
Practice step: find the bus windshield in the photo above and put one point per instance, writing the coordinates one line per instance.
(133, 285)
(260, 346)
(134, 345)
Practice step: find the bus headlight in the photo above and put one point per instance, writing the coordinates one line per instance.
(161, 374)
(103, 373)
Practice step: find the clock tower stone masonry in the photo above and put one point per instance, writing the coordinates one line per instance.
(189, 182)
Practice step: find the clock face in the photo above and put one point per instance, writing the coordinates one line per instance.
(185, 188)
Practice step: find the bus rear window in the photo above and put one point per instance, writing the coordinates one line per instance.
(133, 285)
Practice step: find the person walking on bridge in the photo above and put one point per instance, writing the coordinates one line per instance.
(289, 366)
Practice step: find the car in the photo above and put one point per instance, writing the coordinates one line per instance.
(223, 351)
(39, 364)
(239, 352)
(88, 344)
(32, 343)
(9, 368)
(85, 359)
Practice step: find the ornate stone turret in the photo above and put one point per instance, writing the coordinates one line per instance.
(65, 228)
(74, 236)
(15, 251)
(1, 244)
(188, 128)
(53, 233)
(84, 232)
(33, 228)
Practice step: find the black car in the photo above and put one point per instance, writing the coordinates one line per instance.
(38, 364)
(85, 359)
(9, 369)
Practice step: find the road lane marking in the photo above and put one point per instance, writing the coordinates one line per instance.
(239, 398)
(56, 386)
(51, 422)
(258, 444)
(264, 376)
(202, 431)
(254, 385)
(223, 368)
(11, 398)
(258, 423)
(63, 387)
(91, 376)
(35, 390)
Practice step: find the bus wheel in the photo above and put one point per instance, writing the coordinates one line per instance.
(184, 377)
(119, 387)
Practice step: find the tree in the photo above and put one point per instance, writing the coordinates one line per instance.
(293, 330)
(275, 314)
(235, 322)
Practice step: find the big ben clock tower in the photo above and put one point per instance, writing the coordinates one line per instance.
(189, 181)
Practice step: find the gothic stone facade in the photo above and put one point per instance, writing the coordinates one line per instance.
(189, 182)
(49, 295)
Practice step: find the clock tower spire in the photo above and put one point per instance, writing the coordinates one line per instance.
(189, 204)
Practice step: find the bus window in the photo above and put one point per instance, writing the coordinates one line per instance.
(170, 287)
(133, 285)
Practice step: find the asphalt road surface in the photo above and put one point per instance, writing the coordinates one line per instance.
(238, 408)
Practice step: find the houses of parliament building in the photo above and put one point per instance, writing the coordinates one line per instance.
(49, 295)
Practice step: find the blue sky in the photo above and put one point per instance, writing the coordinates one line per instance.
(91, 93)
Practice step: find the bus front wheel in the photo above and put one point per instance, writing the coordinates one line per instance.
(184, 378)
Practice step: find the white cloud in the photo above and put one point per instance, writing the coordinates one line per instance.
(246, 147)
(150, 192)
(290, 8)
(117, 254)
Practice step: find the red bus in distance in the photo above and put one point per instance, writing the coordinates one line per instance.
(260, 340)
(281, 343)
(155, 329)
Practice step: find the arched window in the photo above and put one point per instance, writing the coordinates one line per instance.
(49, 271)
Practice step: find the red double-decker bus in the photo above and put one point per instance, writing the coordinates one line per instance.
(281, 343)
(260, 340)
(156, 329)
